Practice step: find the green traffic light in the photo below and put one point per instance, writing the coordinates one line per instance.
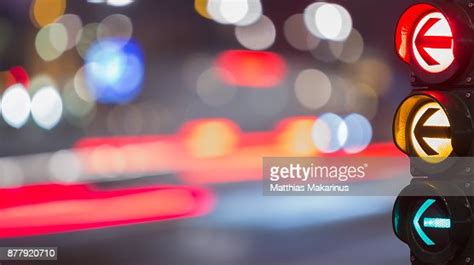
(435, 223)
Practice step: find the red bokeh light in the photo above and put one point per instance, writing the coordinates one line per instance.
(18, 75)
(251, 68)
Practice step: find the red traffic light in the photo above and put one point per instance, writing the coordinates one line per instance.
(429, 38)
(405, 27)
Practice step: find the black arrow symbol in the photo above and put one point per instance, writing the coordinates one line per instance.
(422, 132)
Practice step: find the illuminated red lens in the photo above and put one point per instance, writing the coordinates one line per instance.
(406, 26)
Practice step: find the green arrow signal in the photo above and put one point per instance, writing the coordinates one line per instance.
(436, 223)
(416, 222)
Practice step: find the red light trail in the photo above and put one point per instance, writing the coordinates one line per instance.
(47, 209)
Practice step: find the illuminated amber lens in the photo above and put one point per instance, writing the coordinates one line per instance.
(410, 116)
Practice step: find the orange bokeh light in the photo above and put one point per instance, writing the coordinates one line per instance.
(210, 138)
(44, 12)
(201, 8)
(294, 136)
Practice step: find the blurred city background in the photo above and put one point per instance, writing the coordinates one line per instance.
(175, 103)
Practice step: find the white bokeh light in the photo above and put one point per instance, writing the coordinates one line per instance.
(258, 36)
(16, 106)
(313, 88)
(51, 41)
(115, 26)
(328, 21)
(238, 12)
(329, 133)
(73, 24)
(234, 11)
(119, 2)
(47, 107)
(254, 13)
(227, 11)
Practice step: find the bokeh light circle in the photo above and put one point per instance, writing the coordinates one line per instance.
(238, 12)
(329, 133)
(114, 70)
(350, 50)
(16, 106)
(254, 13)
(313, 88)
(47, 107)
(115, 26)
(201, 8)
(227, 11)
(119, 2)
(297, 35)
(73, 25)
(51, 41)
(328, 21)
(360, 133)
(44, 12)
(258, 36)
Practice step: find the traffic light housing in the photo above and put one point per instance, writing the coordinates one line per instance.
(434, 219)
(435, 39)
(434, 127)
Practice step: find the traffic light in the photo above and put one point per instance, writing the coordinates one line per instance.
(435, 39)
(434, 127)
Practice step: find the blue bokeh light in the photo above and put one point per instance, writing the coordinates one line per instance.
(114, 70)
(360, 133)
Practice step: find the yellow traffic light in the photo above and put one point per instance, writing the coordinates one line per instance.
(424, 126)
